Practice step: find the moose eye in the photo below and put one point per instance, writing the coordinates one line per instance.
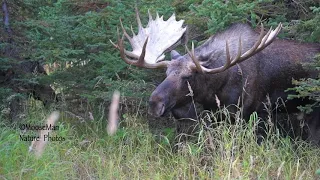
(186, 77)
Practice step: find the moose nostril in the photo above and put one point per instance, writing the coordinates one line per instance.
(155, 104)
(152, 103)
(156, 108)
(155, 99)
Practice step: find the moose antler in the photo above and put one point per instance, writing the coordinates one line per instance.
(262, 43)
(151, 42)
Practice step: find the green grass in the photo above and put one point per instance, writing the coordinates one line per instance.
(224, 152)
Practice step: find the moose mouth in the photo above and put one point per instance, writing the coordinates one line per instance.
(164, 111)
(160, 111)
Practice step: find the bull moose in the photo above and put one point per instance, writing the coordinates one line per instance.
(237, 62)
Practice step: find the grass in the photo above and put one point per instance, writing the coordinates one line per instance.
(224, 152)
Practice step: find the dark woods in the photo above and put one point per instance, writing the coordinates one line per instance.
(19, 75)
(6, 19)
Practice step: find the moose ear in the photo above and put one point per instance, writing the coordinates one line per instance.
(174, 54)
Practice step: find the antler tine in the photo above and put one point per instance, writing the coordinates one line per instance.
(226, 65)
(138, 18)
(128, 53)
(262, 42)
(118, 35)
(114, 45)
(125, 32)
(150, 16)
(259, 45)
(264, 39)
(143, 53)
(124, 57)
(222, 68)
(140, 62)
(228, 62)
(133, 34)
(239, 49)
(274, 33)
(255, 46)
(193, 58)
(122, 53)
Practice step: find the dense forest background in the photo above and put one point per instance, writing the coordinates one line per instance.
(70, 39)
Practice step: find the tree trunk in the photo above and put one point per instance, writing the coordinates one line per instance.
(6, 17)
(6, 23)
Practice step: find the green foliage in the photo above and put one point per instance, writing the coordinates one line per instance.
(308, 88)
(219, 14)
(309, 30)
(300, 19)
(4, 94)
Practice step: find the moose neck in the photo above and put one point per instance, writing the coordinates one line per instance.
(211, 83)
